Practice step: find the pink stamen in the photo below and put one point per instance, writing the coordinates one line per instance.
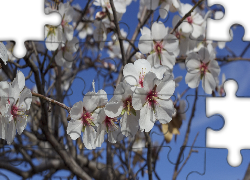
(14, 111)
(109, 122)
(86, 117)
(127, 102)
(178, 35)
(203, 68)
(189, 19)
(151, 98)
(141, 78)
(158, 47)
(63, 23)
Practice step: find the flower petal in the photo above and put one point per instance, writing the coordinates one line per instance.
(130, 124)
(76, 111)
(158, 31)
(147, 118)
(74, 129)
(145, 44)
(89, 137)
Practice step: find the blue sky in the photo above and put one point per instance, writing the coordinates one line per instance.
(210, 162)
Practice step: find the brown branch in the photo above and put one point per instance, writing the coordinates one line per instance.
(52, 101)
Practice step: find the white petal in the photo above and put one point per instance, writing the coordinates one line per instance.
(102, 98)
(150, 80)
(193, 66)
(192, 80)
(145, 30)
(147, 118)
(208, 83)
(115, 135)
(2, 127)
(131, 74)
(168, 59)
(214, 68)
(3, 53)
(139, 98)
(25, 99)
(77, 110)
(145, 44)
(158, 31)
(164, 9)
(170, 43)
(10, 132)
(89, 137)
(21, 124)
(204, 54)
(101, 130)
(74, 129)
(90, 101)
(69, 32)
(165, 89)
(130, 124)
(159, 71)
(164, 111)
(114, 109)
(186, 27)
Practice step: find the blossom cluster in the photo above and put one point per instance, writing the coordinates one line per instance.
(144, 94)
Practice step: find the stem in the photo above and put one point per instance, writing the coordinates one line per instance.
(52, 101)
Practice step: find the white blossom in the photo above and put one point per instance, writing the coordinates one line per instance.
(159, 44)
(18, 102)
(134, 73)
(193, 24)
(62, 33)
(120, 5)
(202, 66)
(82, 120)
(65, 55)
(153, 101)
(121, 104)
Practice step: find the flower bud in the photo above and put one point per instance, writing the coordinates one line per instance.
(139, 55)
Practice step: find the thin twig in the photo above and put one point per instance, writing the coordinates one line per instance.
(52, 101)
(189, 154)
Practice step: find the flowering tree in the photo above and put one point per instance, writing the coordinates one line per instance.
(142, 82)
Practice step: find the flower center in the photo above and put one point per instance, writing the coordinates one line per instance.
(86, 118)
(178, 35)
(141, 78)
(15, 111)
(158, 47)
(63, 23)
(203, 68)
(189, 19)
(151, 97)
(127, 105)
(110, 123)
